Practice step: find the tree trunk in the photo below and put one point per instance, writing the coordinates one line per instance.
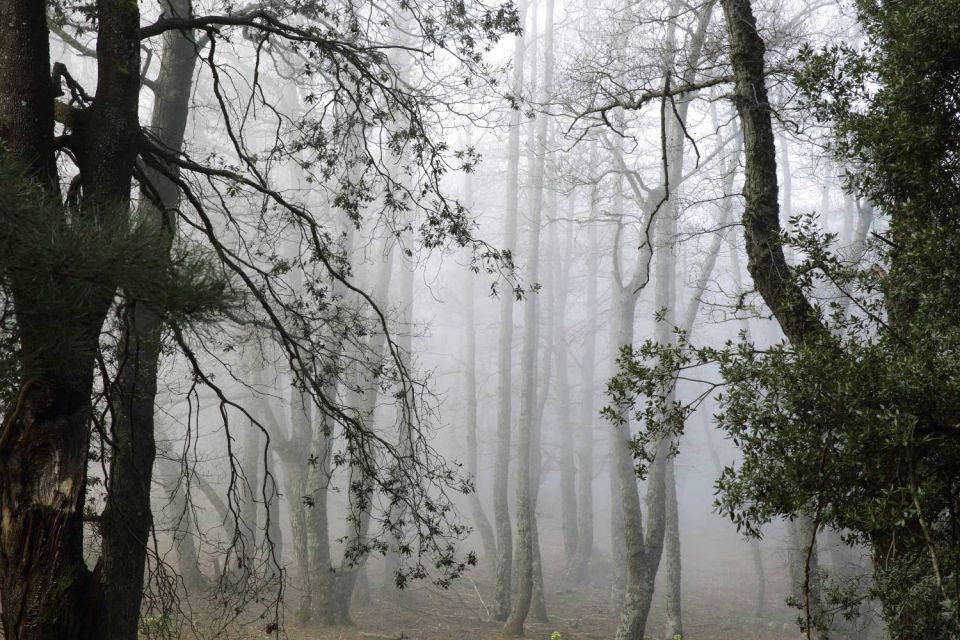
(45, 587)
(480, 520)
(47, 591)
(127, 518)
(765, 258)
(568, 470)
(296, 474)
(671, 553)
(501, 498)
(528, 440)
(587, 414)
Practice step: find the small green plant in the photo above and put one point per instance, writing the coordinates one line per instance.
(555, 636)
(156, 624)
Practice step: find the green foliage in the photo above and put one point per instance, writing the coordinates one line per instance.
(61, 267)
(859, 430)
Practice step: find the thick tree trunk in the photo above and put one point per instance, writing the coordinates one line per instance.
(45, 588)
(47, 592)
(26, 94)
(761, 222)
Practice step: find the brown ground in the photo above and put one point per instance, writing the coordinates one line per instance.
(718, 585)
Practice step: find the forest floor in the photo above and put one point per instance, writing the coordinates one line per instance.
(719, 586)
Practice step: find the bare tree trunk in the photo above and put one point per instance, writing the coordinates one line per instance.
(766, 262)
(296, 474)
(568, 471)
(587, 415)
(765, 258)
(671, 552)
(528, 431)
(480, 520)
(501, 498)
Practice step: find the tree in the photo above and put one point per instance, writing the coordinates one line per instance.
(851, 422)
(71, 259)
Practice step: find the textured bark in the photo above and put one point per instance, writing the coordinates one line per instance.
(47, 591)
(45, 588)
(128, 517)
(761, 221)
(26, 95)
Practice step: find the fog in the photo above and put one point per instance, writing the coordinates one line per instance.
(409, 246)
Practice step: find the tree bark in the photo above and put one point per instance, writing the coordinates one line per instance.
(45, 587)
(765, 259)
(127, 518)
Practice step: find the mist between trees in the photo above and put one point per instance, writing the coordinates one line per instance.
(451, 318)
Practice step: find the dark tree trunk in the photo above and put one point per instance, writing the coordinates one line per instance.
(761, 215)
(128, 518)
(47, 591)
